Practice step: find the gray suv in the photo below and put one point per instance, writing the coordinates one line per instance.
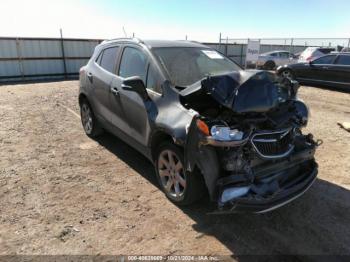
(208, 126)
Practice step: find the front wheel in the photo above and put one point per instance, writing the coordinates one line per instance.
(287, 73)
(181, 187)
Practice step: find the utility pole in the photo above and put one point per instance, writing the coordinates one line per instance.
(63, 55)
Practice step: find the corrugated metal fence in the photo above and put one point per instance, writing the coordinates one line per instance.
(23, 59)
(43, 58)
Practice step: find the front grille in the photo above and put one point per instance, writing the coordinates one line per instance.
(274, 144)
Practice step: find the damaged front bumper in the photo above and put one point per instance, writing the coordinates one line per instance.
(273, 187)
(271, 184)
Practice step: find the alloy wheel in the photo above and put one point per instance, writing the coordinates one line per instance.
(86, 118)
(287, 74)
(172, 175)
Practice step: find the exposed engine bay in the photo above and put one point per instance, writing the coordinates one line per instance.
(247, 138)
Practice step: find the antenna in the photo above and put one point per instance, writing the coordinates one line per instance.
(124, 32)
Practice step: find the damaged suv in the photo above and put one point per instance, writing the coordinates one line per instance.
(205, 123)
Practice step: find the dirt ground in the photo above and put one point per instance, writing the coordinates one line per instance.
(63, 193)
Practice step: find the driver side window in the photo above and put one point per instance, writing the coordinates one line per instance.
(133, 63)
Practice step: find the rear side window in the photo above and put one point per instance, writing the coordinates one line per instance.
(109, 58)
(133, 63)
(325, 60)
(284, 55)
(343, 60)
(99, 58)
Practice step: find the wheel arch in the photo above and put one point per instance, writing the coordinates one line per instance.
(157, 138)
(82, 97)
(270, 62)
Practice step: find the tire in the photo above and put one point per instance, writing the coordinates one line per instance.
(269, 65)
(287, 73)
(180, 187)
(90, 124)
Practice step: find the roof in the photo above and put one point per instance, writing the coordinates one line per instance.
(172, 43)
(157, 43)
(275, 51)
(339, 53)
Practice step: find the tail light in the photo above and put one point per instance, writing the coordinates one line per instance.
(309, 58)
(81, 71)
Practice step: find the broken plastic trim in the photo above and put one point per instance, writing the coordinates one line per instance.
(232, 193)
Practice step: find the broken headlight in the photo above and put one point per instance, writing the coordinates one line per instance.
(224, 133)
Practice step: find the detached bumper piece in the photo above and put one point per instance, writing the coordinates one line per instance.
(271, 187)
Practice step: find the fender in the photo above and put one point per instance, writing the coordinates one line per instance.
(202, 156)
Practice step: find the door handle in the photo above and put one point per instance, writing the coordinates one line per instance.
(115, 91)
(90, 76)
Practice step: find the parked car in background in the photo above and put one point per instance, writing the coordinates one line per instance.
(273, 59)
(345, 50)
(312, 53)
(332, 70)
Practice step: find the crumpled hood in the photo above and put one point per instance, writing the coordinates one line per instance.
(245, 91)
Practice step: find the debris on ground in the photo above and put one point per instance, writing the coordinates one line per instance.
(67, 232)
(345, 125)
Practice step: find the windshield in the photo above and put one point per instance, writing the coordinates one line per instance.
(187, 65)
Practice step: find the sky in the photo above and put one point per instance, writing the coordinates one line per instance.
(201, 20)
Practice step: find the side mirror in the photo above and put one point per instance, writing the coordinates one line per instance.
(135, 84)
(310, 63)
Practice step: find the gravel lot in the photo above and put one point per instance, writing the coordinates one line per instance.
(63, 193)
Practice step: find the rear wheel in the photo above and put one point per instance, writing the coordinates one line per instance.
(88, 120)
(269, 65)
(181, 187)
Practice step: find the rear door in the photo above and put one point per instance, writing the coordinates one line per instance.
(340, 71)
(101, 77)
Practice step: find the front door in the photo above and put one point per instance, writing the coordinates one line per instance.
(319, 69)
(284, 59)
(134, 62)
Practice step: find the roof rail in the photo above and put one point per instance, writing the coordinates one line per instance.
(136, 39)
(192, 41)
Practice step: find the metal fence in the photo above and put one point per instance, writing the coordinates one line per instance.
(24, 59)
(42, 58)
